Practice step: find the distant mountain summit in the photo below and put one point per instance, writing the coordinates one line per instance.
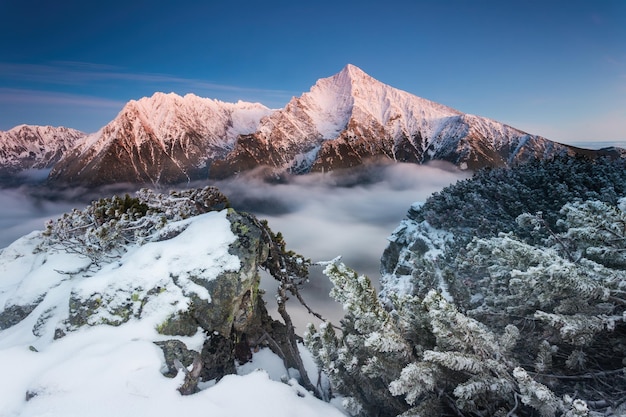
(351, 117)
(344, 121)
(165, 138)
(34, 148)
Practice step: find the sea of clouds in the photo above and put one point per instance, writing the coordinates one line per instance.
(322, 216)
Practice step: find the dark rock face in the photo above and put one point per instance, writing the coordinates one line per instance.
(136, 159)
(173, 351)
(13, 314)
(250, 152)
(234, 294)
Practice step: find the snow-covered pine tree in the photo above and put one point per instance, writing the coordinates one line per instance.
(101, 230)
(423, 358)
(490, 201)
(369, 352)
(467, 369)
(596, 230)
(543, 257)
(545, 324)
(566, 292)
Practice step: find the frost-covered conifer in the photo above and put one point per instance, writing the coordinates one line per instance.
(468, 362)
(370, 351)
(595, 230)
(541, 247)
(422, 358)
(102, 230)
(568, 291)
(540, 323)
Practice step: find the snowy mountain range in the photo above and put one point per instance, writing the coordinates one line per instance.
(162, 139)
(351, 117)
(343, 121)
(26, 148)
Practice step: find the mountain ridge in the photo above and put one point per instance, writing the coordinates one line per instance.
(351, 117)
(30, 147)
(343, 121)
(164, 138)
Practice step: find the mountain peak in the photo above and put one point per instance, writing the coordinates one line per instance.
(354, 72)
(34, 147)
(351, 77)
(342, 121)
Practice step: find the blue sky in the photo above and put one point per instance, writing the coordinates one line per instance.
(554, 68)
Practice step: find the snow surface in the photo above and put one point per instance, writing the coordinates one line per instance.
(108, 371)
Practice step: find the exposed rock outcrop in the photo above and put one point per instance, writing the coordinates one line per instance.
(193, 273)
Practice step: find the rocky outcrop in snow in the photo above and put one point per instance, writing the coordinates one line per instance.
(182, 266)
(144, 299)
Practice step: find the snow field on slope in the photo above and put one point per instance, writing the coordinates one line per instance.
(106, 371)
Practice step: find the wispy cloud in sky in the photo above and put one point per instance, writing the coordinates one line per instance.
(86, 95)
(37, 97)
(81, 73)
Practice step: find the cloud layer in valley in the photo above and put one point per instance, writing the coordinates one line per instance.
(321, 216)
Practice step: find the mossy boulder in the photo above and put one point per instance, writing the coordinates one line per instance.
(233, 294)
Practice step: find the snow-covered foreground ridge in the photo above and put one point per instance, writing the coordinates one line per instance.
(96, 323)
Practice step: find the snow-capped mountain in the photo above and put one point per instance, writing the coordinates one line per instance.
(351, 117)
(34, 147)
(343, 121)
(165, 138)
